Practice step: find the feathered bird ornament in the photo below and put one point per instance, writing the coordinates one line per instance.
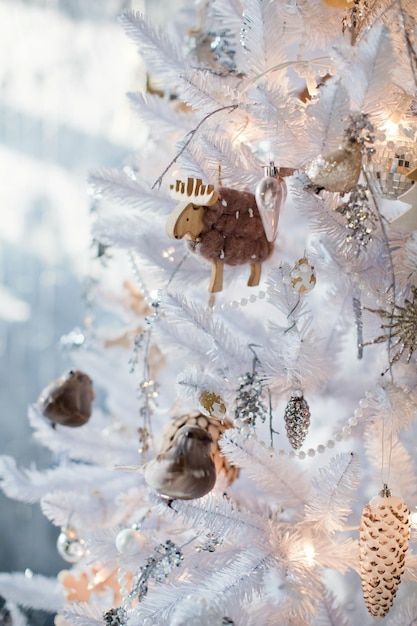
(186, 469)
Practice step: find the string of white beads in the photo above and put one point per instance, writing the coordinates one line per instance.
(342, 434)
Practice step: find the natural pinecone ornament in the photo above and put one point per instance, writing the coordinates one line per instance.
(68, 400)
(383, 544)
(214, 428)
(297, 419)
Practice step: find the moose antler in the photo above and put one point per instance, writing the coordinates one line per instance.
(193, 191)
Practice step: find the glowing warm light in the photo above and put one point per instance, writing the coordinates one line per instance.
(309, 553)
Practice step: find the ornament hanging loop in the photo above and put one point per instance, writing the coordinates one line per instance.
(385, 491)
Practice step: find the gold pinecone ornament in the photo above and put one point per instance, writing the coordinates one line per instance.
(383, 544)
(212, 426)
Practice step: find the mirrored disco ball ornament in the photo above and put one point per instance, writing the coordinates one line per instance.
(388, 166)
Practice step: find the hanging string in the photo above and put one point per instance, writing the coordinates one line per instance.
(386, 462)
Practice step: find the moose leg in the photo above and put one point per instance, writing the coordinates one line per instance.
(255, 274)
(216, 278)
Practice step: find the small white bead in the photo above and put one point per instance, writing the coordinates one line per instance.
(243, 302)
(321, 448)
(346, 431)
(291, 454)
(252, 298)
(235, 304)
(224, 306)
(311, 452)
(353, 421)
(270, 290)
(282, 453)
(330, 443)
(124, 591)
(261, 295)
(338, 437)
(302, 455)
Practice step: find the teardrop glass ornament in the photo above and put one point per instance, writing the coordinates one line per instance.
(270, 195)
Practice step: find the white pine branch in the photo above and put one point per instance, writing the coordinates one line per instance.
(159, 114)
(219, 515)
(334, 489)
(83, 614)
(87, 507)
(262, 37)
(275, 475)
(81, 444)
(329, 613)
(365, 72)
(404, 613)
(199, 332)
(159, 53)
(327, 119)
(117, 185)
(34, 592)
(29, 485)
(208, 93)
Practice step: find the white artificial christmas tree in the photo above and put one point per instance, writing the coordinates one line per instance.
(309, 371)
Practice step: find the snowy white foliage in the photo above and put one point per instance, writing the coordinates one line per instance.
(277, 545)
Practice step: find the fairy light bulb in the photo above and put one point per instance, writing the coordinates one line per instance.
(270, 195)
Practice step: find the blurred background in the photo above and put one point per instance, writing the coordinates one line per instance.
(65, 68)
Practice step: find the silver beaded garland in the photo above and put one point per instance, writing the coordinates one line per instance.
(297, 419)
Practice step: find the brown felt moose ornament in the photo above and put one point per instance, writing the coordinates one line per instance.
(223, 225)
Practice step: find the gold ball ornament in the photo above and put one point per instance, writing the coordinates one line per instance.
(383, 545)
(339, 4)
(214, 428)
(339, 171)
(303, 276)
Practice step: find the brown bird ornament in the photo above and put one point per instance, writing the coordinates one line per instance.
(68, 400)
(186, 469)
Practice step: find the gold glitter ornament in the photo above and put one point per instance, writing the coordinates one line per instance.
(212, 404)
(388, 165)
(214, 428)
(383, 544)
(339, 171)
(303, 276)
(339, 4)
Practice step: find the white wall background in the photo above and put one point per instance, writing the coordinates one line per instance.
(65, 66)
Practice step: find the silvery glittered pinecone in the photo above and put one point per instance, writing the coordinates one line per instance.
(297, 419)
(383, 544)
(215, 428)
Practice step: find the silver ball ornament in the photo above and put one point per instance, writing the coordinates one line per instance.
(69, 546)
